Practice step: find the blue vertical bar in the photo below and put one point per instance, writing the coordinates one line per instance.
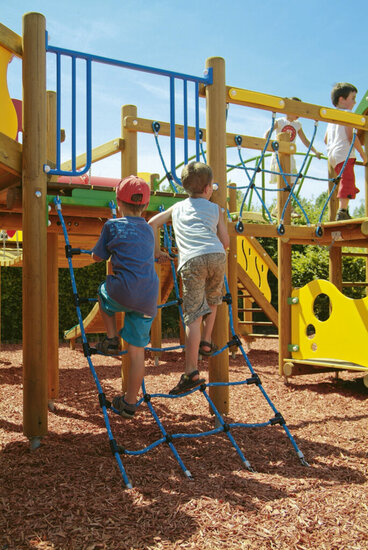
(185, 109)
(58, 110)
(74, 149)
(89, 112)
(196, 94)
(172, 124)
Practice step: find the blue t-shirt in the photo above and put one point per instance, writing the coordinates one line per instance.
(130, 243)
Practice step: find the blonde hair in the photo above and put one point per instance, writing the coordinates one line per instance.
(195, 177)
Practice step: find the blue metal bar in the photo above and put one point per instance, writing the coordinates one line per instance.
(58, 110)
(172, 132)
(206, 79)
(196, 95)
(74, 110)
(185, 109)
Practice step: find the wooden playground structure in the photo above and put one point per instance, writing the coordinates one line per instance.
(27, 191)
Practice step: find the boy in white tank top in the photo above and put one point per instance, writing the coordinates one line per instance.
(202, 238)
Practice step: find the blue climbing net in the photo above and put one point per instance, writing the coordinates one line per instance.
(290, 189)
(148, 399)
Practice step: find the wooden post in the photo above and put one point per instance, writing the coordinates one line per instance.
(34, 229)
(156, 328)
(284, 264)
(216, 158)
(233, 264)
(335, 254)
(129, 154)
(128, 167)
(52, 272)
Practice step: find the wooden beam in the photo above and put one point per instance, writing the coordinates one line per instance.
(34, 271)
(11, 41)
(136, 124)
(10, 155)
(98, 153)
(288, 106)
(258, 296)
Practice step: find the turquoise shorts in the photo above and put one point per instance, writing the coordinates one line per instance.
(137, 326)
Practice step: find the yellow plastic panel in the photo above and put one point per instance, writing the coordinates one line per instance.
(257, 98)
(342, 116)
(343, 336)
(146, 176)
(8, 118)
(253, 265)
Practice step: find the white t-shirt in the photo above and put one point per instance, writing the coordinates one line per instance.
(292, 128)
(337, 144)
(284, 125)
(195, 224)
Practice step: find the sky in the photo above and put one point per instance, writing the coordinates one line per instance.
(284, 48)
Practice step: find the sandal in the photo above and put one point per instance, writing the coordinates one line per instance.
(187, 383)
(125, 409)
(211, 351)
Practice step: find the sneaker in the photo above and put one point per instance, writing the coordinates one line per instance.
(342, 214)
(125, 409)
(109, 346)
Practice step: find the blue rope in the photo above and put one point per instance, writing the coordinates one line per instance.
(156, 128)
(297, 177)
(238, 141)
(147, 398)
(337, 179)
(102, 399)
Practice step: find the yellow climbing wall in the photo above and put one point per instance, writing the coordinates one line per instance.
(343, 336)
(253, 265)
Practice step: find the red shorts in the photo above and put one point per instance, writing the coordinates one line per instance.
(347, 189)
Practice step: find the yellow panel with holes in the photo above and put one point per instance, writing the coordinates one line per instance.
(343, 336)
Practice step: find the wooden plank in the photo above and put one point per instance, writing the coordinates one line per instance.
(292, 107)
(136, 124)
(266, 230)
(98, 153)
(255, 292)
(11, 41)
(10, 155)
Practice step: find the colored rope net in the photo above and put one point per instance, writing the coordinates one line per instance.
(166, 436)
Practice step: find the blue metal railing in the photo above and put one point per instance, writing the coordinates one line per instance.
(89, 59)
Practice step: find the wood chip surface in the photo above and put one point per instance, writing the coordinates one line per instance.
(69, 493)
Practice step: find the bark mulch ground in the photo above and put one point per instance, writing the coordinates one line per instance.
(69, 493)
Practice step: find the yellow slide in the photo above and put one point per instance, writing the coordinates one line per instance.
(8, 118)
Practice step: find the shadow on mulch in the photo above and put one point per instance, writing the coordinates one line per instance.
(347, 388)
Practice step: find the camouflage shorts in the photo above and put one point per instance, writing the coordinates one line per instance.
(203, 283)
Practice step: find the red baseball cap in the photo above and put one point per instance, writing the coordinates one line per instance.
(133, 190)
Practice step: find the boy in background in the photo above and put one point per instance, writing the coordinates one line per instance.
(338, 141)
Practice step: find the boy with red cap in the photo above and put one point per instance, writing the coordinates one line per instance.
(133, 286)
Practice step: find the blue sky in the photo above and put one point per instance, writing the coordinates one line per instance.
(286, 48)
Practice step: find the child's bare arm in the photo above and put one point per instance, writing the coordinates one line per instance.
(358, 146)
(222, 233)
(158, 221)
(306, 142)
(96, 258)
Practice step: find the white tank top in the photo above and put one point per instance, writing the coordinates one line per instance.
(195, 224)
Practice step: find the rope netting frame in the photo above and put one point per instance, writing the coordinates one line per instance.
(168, 438)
